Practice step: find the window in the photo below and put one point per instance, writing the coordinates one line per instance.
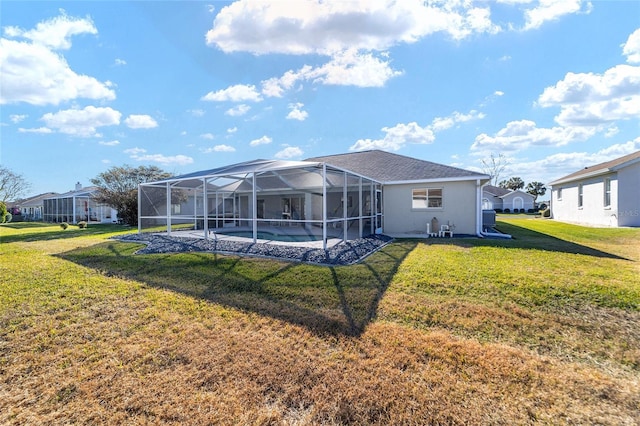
(580, 196)
(175, 208)
(607, 192)
(559, 193)
(427, 198)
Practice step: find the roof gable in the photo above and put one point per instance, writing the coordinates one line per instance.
(495, 190)
(389, 167)
(601, 168)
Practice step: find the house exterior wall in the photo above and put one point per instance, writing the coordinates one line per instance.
(458, 208)
(593, 211)
(629, 196)
(517, 200)
(491, 202)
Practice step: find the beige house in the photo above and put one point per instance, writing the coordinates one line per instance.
(337, 197)
(415, 191)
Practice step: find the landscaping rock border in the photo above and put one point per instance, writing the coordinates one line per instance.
(345, 253)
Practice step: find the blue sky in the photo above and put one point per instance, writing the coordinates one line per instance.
(552, 85)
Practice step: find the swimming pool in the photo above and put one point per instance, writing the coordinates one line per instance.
(264, 235)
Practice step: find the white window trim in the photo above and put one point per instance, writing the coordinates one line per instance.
(607, 206)
(427, 189)
(580, 196)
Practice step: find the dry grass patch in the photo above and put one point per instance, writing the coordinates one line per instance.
(91, 334)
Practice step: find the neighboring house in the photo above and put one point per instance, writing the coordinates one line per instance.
(606, 194)
(32, 208)
(342, 196)
(496, 198)
(76, 206)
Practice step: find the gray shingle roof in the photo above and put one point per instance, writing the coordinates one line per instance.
(496, 190)
(388, 167)
(605, 167)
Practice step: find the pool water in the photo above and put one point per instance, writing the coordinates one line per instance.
(263, 235)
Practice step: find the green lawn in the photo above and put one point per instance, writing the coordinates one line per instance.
(544, 328)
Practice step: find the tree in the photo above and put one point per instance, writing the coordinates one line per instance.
(536, 189)
(513, 184)
(3, 212)
(12, 185)
(494, 166)
(118, 187)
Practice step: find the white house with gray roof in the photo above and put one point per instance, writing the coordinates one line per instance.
(337, 197)
(605, 194)
(496, 198)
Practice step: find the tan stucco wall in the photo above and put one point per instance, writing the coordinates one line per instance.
(459, 208)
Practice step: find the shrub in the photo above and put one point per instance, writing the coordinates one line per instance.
(546, 213)
(82, 224)
(507, 210)
(521, 210)
(3, 212)
(64, 225)
(531, 211)
(498, 210)
(8, 217)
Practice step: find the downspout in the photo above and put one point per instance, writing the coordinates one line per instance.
(479, 231)
(479, 209)
(139, 208)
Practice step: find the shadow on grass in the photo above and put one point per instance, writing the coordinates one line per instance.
(528, 239)
(326, 300)
(43, 235)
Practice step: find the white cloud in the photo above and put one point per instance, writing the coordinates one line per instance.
(552, 10)
(522, 134)
(140, 121)
(289, 152)
(589, 99)
(396, 137)
(139, 154)
(16, 118)
(232, 130)
(109, 143)
(134, 151)
(611, 131)
(82, 122)
(275, 87)
(498, 93)
(209, 136)
(238, 110)
(296, 112)
(33, 72)
(306, 27)
(42, 130)
(562, 164)
(442, 123)
(346, 68)
(120, 62)
(55, 33)
(401, 134)
(261, 141)
(105, 161)
(631, 49)
(220, 148)
(196, 112)
(350, 68)
(237, 93)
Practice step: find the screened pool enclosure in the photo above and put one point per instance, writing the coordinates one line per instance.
(311, 200)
